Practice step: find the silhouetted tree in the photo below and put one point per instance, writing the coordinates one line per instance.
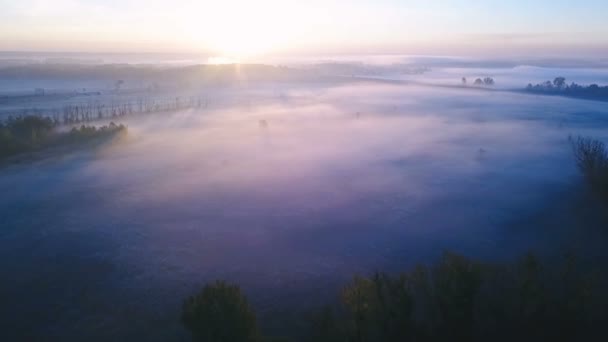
(326, 327)
(220, 313)
(559, 82)
(456, 282)
(591, 157)
(559, 86)
(458, 299)
(118, 84)
(380, 308)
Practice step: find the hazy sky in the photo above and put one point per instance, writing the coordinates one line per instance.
(246, 27)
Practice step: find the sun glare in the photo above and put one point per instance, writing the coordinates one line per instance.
(238, 43)
(219, 60)
(252, 31)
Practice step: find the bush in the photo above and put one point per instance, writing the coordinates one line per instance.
(220, 313)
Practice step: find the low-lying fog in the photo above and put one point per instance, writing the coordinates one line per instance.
(508, 78)
(288, 192)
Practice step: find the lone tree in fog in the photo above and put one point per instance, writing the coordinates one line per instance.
(464, 81)
(478, 82)
(118, 84)
(220, 313)
(559, 82)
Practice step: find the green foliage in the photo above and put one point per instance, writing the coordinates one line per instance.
(220, 313)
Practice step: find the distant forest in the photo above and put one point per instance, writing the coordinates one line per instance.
(560, 87)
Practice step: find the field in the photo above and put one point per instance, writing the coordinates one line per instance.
(287, 188)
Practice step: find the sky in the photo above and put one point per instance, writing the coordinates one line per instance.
(264, 27)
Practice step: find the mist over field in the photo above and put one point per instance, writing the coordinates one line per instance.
(288, 188)
(303, 171)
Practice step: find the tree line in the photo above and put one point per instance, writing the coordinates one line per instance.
(70, 114)
(456, 299)
(33, 133)
(479, 82)
(559, 86)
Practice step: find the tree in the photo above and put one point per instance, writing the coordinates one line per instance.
(325, 327)
(489, 81)
(119, 84)
(380, 308)
(456, 281)
(559, 82)
(464, 81)
(478, 82)
(220, 313)
(591, 157)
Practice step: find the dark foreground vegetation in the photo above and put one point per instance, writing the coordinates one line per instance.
(591, 157)
(31, 134)
(560, 87)
(457, 299)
